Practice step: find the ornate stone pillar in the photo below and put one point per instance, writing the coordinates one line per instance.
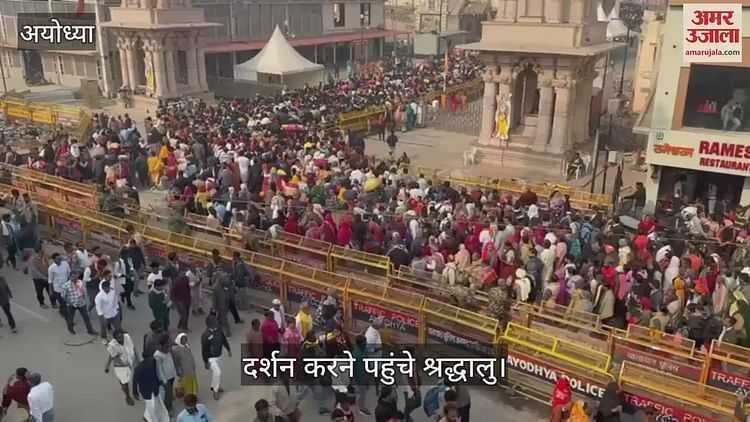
(162, 4)
(160, 77)
(192, 64)
(170, 67)
(583, 104)
(124, 68)
(561, 123)
(546, 103)
(130, 44)
(201, 58)
(489, 104)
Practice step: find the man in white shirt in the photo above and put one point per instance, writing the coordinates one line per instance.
(107, 307)
(278, 314)
(372, 335)
(83, 257)
(58, 273)
(154, 275)
(41, 399)
(244, 164)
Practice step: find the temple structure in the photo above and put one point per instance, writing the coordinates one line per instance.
(162, 51)
(541, 57)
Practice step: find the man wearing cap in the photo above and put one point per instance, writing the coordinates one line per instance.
(41, 399)
(278, 314)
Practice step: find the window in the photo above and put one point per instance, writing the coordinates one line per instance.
(717, 98)
(431, 5)
(364, 14)
(339, 15)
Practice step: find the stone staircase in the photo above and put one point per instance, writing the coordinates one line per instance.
(550, 166)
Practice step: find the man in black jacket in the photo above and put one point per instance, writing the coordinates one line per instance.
(213, 342)
(146, 384)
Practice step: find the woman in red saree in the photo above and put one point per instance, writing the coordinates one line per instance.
(346, 231)
(328, 231)
(291, 225)
(561, 400)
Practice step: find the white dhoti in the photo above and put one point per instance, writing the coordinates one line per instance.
(215, 365)
(124, 374)
(155, 410)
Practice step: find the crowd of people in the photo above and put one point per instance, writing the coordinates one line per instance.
(271, 164)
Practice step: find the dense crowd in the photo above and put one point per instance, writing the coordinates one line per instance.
(271, 164)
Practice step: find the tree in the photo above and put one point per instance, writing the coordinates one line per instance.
(632, 16)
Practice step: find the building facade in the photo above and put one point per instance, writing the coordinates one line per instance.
(541, 57)
(325, 32)
(699, 126)
(649, 55)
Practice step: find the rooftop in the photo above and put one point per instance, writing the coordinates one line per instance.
(228, 47)
(516, 47)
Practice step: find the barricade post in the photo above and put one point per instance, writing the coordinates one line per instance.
(674, 396)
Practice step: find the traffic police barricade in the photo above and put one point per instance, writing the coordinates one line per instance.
(674, 398)
(728, 367)
(366, 301)
(304, 250)
(537, 360)
(578, 326)
(352, 261)
(465, 330)
(676, 362)
(81, 194)
(679, 344)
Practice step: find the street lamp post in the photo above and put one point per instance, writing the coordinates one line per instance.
(440, 17)
(2, 73)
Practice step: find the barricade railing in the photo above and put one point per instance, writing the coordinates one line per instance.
(728, 367)
(531, 353)
(683, 397)
(43, 113)
(664, 341)
(577, 197)
(641, 352)
(536, 361)
(24, 179)
(304, 250)
(358, 262)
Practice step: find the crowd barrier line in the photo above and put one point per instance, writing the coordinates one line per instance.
(49, 114)
(356, 293)
(578, 197)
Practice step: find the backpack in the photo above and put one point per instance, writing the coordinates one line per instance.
(432, 399)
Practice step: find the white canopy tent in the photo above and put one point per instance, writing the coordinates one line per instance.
(280, 64)
(616, 27)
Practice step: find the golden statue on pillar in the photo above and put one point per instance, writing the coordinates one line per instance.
(502, 117)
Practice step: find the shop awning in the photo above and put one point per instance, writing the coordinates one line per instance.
(347, 37)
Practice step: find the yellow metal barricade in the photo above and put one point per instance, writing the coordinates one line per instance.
(291, 247)
(681, 345)
(728, 367)
(353, 261)
(674, 396)
(646, 353)
(537, 360)
(468, 331)
(581, 329)
(400, 310)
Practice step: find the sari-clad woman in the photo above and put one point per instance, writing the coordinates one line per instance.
(561, 400)
(184, 363)
(741, 313)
